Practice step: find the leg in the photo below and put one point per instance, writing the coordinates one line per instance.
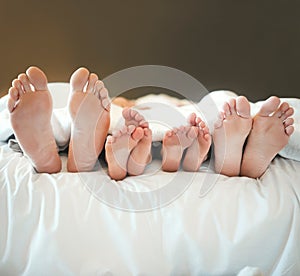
(89, 111)
(121, 101)
(118, 148)
(30, 107)
(174, 143)
(197, 152)
(272, 127)
(141, 154)
(230, 133)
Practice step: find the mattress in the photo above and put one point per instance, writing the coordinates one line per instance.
(157, 223)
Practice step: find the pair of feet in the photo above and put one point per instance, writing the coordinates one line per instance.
(128, 150)
(244, 145)
(30, 107)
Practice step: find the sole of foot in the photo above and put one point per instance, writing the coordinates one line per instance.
(30, 107)
(197, 152)
(89, 109)
(174, 143)
(118, 148)
(230, 132)
(272, 128)
(141, 154)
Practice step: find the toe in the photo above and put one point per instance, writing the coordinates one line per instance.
(147, 132)
(17, 84)
(37, 78)
(198, 121)
(269, 106)
(202, 124)
(110, 139)
(288, 122)
(232, 106)
(169, 133)
(287, 114)
(134, 115)
(79, 79)
(10, 104)
(126, 113)
(207, 136)
(226, 109)
(205, 129)
(13, 93)
(137, 134)
(138, 117)
(91, 83)
(243, 107)
(192, 119)
(281, 110)
(105, 101)
(25, 82)
(289, 130)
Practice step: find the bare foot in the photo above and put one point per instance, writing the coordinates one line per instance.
(141, 153)
(272, 128)
(89, 110)
(118, 148)
(174, 144)
(230, 133)
(198, 150)
(30, 107)
(132, 117)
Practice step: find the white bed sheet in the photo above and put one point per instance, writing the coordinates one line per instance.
(87, 224)
(55, 225)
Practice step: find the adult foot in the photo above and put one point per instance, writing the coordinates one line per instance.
(89, 109)
(272, 128)
(198, 150)
(118, 148)
(174, 143)
(140, 156)
(230, 133)
(30, 107)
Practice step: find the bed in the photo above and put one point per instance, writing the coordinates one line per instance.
(158, 223)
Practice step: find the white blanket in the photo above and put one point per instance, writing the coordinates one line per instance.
(55, 225)
(87, 224)
(160, 110)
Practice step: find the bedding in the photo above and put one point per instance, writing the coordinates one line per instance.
(155, 224)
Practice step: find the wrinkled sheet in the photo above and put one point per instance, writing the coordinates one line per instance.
(215, 225)
(155, 224)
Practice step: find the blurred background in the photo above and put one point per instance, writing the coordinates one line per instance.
(250, 47)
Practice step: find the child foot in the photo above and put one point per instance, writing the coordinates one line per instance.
(30, 107)
(132, 117)
(174, 143)
(118, 148)
(198, 150)
(272, 128)
(230, 133)
(141, 154)
(89, 108)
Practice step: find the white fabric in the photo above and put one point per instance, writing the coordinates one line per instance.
(215, 225)
(54, 224)
(159, 110)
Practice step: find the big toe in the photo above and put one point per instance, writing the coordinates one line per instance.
(79, 79)
(37, 78)
(243, 107)
(269, 106)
